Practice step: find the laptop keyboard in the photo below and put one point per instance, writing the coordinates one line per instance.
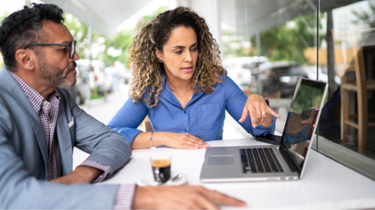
(259, 160)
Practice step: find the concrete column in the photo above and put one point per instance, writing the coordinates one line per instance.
(210, 11)
(330, 55)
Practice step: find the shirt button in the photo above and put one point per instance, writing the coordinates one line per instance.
(184, 111)
(185, 130)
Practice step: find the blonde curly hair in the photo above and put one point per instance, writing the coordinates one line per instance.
(147, 70)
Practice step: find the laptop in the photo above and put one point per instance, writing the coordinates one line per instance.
(283, 161)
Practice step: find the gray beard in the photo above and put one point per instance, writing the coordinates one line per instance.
(54, 75)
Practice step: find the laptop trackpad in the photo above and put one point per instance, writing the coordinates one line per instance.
(221, 160)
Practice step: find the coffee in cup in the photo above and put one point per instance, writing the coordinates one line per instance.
(161, 168)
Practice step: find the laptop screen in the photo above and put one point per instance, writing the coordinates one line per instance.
(302, 118)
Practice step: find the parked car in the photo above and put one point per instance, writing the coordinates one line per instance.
(279, 76)
(96, 75)
(322, 72)
(239, 69)
(80, 92)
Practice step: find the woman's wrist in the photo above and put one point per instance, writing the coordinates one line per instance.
(158, 138)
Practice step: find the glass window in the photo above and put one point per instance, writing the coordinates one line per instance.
(267, 44)
(346, 62)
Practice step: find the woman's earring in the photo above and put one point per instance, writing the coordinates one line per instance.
(160, 61)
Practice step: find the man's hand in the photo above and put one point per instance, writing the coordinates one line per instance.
(82, 174)
(181, 197)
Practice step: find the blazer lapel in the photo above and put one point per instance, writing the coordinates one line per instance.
(8, 83)
(64, 137)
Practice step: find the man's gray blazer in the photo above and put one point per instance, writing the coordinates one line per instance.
(23, 153)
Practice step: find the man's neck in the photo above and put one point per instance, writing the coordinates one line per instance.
(42, 86)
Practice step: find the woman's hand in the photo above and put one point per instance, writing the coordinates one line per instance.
(260, 112)
(183, 141)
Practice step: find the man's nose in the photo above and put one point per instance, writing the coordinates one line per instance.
(75, 57)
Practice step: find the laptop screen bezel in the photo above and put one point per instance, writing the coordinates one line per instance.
(299, 82)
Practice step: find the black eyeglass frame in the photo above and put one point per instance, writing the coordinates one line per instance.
(71, 45)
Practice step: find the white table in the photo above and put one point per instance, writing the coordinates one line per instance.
(326, 183)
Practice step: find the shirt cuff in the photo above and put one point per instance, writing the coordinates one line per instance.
(93, 164)
(124, 197)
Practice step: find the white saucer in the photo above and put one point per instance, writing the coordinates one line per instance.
(149, 180)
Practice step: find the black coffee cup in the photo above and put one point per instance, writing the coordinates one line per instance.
(161, 168)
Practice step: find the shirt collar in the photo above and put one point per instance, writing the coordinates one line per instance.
(35, 98)
(168, 95)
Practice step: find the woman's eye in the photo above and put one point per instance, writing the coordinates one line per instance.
(193, 49)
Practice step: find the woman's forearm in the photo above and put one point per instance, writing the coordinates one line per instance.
(170, 139)
(142, 140)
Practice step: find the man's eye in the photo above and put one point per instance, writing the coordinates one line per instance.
(179, 52)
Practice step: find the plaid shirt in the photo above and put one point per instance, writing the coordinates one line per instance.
(47, 111)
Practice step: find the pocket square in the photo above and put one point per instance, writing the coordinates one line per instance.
(71, 123)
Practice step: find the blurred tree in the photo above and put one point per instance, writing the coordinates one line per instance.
(287, 41)
(120, 42)
(2, 16)
(124, 38)
(233, 45)
(366, 17)
(79, 31)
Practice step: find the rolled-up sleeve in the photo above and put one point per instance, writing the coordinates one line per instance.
(128, 118)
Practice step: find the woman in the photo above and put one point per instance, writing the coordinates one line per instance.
(178, 81)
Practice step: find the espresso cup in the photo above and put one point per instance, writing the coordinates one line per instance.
(161, 168)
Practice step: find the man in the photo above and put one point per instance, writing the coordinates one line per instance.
(40, 124)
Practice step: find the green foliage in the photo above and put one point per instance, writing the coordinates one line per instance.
(306, 98)
(79, 31)
(284, 42)
(2, 16)
(231, 45)
(289, 40)
(367, 17)
(121, 41)
(124, 38)
(145, 19)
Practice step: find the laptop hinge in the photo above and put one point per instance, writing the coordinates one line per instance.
(291, 163)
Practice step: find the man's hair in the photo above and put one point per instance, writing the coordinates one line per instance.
(25, 27)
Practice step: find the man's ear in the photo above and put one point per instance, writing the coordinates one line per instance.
(25, 59)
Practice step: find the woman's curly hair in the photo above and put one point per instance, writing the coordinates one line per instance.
(147, 70)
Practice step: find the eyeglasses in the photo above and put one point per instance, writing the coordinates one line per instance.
(72, 46)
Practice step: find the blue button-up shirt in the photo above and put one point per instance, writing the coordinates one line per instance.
(202, 117)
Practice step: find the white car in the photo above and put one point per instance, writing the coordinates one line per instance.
(322, 72)
(97, 76)
(239, 69)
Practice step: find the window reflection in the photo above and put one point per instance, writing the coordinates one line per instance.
(350, 51)
(284, 35)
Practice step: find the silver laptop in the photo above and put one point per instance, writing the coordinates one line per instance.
(285, 161)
